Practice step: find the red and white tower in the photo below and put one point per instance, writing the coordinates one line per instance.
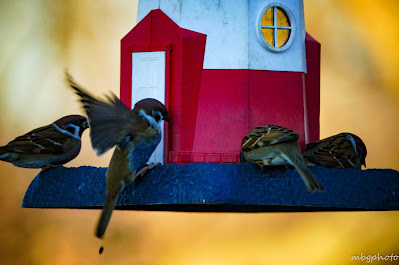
(222, 68)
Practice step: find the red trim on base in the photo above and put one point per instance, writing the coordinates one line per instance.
(197, 157)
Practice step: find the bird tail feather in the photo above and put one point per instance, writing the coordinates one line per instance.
(109, 206)
(296, 160)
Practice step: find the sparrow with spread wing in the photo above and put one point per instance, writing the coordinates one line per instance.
(48, 146)
(136, 133)
(270, 145)
(344, 150)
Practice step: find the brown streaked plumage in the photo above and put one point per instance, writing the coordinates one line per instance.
(344, 150)
(48, 146)
(136, 133)
(270, 145)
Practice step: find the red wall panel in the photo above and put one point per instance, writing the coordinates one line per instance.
(222, 111)
(277, 98)
(232, 102)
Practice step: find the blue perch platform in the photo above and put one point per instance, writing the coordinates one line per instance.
(207, 187)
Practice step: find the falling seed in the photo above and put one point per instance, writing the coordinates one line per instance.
(101, 250)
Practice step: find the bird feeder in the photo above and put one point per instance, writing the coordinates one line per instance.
(222, 68)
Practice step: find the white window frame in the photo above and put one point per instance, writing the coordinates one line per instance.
(259, 27)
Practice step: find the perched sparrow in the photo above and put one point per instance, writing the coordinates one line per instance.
(274, 145)
(344, 150)
(48, 146)
(136, 133)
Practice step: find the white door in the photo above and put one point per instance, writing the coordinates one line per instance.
(148, 81)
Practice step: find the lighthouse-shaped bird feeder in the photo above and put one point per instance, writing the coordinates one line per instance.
(222, 68)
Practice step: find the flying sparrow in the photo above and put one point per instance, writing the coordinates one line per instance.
(271, 145)
(136, 133)
(48, 146)
(344, 150)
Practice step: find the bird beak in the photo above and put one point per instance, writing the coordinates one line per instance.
(166, 119)
(85, 124)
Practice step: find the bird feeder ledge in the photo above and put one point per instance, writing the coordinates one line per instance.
(210, 187)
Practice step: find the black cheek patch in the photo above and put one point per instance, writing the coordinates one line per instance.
(71, 130)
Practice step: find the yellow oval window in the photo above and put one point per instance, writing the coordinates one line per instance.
(276, 27)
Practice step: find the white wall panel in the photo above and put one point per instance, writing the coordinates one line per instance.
(230, 26)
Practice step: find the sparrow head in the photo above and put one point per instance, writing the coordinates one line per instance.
(359, 146)
(152, 110)
(74, 124)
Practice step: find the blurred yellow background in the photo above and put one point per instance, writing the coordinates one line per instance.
(359, 94)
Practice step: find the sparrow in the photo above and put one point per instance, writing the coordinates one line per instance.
(48, 146)
(271, 145)
(344, 150)
(135, 133)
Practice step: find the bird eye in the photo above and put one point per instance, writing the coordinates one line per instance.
(157, 116)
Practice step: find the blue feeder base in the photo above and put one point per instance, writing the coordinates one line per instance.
(208, 187)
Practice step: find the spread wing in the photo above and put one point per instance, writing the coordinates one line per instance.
(43, 140)
(334, 152)
(267, 135)
(110, 120)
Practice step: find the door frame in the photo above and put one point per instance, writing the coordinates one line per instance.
(126, 79)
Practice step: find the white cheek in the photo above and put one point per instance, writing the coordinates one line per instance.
(74, 135)
(150, 119)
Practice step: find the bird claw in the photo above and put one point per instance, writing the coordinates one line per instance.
(144, 170)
